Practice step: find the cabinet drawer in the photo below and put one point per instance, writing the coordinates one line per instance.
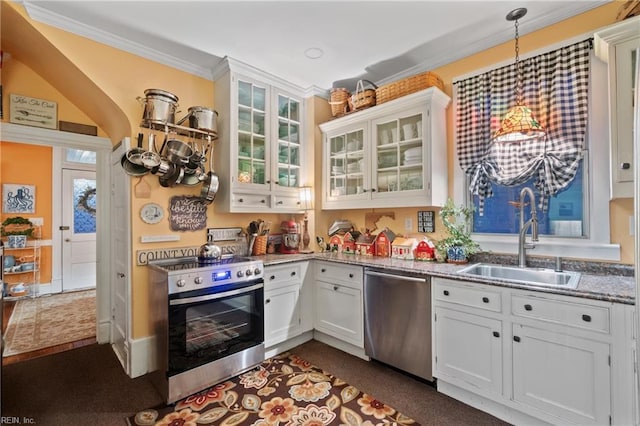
(475, 297)
(282, 275)
(348, 275)
(288, 203)
(259, 201)
(562, 312)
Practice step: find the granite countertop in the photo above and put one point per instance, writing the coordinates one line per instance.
(611, 285)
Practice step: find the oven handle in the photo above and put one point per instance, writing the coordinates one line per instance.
(215, 296)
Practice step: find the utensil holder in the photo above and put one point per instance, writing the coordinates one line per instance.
(260, 245)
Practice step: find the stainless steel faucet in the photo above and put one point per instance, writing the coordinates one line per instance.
(531, 223)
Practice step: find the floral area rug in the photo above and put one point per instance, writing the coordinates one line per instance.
(283, 390)
(50, 320)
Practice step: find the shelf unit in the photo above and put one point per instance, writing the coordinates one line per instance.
(21, 272)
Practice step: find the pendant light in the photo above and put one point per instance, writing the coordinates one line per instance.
(518, 124)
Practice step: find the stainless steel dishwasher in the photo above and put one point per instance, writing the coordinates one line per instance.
(397, 321)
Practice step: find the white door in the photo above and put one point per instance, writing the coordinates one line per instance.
(79, 229)
(120, 249)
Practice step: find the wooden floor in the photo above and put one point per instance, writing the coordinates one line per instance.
(7, 309)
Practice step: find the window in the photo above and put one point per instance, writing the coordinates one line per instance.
(576, 220)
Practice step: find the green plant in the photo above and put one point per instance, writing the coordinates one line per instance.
(457, 221)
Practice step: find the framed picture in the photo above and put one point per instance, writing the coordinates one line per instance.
(18, 198)
(33, 112)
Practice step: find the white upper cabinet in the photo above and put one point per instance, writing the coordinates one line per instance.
(617, 45)
(390, 155)
(261, 147)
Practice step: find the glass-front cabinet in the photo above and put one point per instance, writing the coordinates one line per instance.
(390, 155)
(618, 45)
(260, 148)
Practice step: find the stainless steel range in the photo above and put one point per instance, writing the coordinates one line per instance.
(208, 319)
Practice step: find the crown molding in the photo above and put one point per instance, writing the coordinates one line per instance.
(45, 16)
(47, 137)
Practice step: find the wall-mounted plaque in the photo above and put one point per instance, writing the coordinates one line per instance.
(33, 112)
(426, 221)
(187, 213)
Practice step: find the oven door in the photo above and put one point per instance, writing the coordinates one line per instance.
(210, 324)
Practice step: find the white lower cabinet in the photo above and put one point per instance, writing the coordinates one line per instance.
(287, 295)
(529, 356)
(481, 368)
(338, 302)
(281, 314)
(566, 376)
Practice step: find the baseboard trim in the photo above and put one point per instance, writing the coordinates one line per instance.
(339, 344)
(276, 349)
(142, 358)
(489, 406)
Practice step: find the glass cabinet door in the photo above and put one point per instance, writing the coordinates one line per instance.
(347, 164)
(288, 142)
(399, 153)
(251, 133)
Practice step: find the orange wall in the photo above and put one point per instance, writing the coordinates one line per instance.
(31, 165)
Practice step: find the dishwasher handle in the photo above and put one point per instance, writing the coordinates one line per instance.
(395, 276)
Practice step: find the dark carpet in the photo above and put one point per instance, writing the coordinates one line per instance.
(87, 386)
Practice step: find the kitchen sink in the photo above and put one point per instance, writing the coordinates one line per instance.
(535, 276)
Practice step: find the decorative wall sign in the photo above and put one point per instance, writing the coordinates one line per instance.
(426, 221)
(33, 112)
(18, 198)
(187, 213)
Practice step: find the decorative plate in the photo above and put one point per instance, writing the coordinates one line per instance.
(151, 213)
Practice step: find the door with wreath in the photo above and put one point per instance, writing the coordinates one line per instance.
(78, 229)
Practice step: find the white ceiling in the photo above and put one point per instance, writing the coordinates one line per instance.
(377, 40)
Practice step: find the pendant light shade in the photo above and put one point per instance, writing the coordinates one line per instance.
(518, 124)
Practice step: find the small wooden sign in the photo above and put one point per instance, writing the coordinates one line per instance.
(187, 213)
(426, 221)
(33, 112)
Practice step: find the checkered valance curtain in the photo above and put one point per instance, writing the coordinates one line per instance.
(555, 86)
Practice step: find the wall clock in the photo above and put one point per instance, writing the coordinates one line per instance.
(151, 213)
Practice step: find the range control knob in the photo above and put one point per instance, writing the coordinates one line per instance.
(257, 271)
(249, 272)
(240, 274)
(181, 283)
(198, 280)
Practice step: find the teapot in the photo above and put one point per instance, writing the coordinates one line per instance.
(209, 252)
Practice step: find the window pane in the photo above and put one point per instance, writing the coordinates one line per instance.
(564, 217)
(80, 156)
(84, 206)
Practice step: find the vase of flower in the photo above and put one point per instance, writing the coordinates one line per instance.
(458, 245)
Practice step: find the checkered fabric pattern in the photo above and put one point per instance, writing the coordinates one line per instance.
(555, 85)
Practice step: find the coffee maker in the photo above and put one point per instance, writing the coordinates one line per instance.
(290, 237)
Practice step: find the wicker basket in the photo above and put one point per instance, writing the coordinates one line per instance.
(260, 245)
(406, 86)
(363, 98)
(339, 101)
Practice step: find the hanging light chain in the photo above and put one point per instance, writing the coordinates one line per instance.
(519, 100)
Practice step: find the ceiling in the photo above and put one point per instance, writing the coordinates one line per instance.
(377, 40)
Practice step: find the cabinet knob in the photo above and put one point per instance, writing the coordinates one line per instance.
(263, 201)
(586, 318)
(496, 334)
(268, 181)
(267, 301)
(240, 200)
(625, 166)
(293, 274)
(323, 270)
(485, 300)
(516, 338)
(350, 275)
(121, 275)
(528, 307)
(446, 292)
(335, 287)
(279, 202)
(272, 277)
(373, 190)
